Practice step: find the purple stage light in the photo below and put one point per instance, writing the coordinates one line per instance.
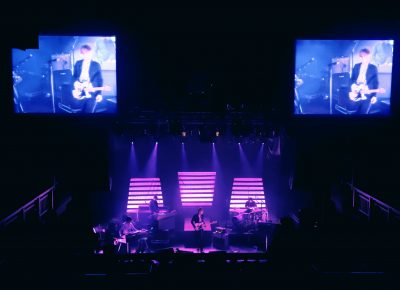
(145, 179)
(197, 173)
(196, 204)
(188, 182)
(248, 179)
(141, 191)
(243, 188)
(196, 188)
(197, 177)
(197, 195)
(151, 166)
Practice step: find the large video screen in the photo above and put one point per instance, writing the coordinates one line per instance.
(343, 77)
(66, 75)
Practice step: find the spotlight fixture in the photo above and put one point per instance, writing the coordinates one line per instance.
(183, 133)
(156, 143)
(216, 133)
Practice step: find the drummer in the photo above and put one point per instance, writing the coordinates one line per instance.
(250, 205)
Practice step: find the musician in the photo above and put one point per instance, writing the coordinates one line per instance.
(154, 209)
(88, 70)
(367, 74)
(198, 225)
(127, 227)
(154, 205)
(250, 204)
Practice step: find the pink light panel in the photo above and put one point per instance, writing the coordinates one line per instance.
(243, 188)
(141, 191)
(196, 188)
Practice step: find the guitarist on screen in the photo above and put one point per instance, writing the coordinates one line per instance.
(198, 225)
(87, 75)
(364, 83)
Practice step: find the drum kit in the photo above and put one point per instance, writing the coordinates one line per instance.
(245, 219)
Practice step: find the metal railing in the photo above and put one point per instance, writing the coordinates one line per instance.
(36, 207)
(369, 205)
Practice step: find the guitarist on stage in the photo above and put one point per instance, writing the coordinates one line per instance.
(88, 71)
(364, 78)
(198, 225)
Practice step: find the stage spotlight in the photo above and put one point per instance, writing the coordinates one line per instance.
(239, 143)
(156, 143)
(132, 142)
(217, 134)
(183, 133)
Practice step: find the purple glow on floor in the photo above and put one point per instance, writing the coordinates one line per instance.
(196, 192)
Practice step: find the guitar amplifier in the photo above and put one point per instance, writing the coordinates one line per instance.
(61, 62)
(62, 86)
(341, 65)
(340, 88)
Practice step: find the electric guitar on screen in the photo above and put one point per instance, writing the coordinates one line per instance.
(358, 92)
(83, 90)
(202, 225)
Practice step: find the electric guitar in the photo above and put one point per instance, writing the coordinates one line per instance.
(202, 225)
(358, 92)
(82, 90)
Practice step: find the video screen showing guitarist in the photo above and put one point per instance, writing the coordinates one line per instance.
(364, 84)
(88, 80)
(199, 225)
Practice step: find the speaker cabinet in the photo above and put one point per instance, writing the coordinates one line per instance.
(340, 88)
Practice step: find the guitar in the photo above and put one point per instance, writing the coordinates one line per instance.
(358, 92)
(202, 225)
(82, 90)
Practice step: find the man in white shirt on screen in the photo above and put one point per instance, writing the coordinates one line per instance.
(88, 72)
(364, 75)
